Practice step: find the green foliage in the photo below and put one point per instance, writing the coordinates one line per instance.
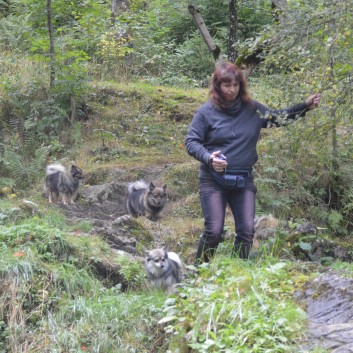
(182, 181)
(34, 123)
(30, 285)
(132, 271)
(106, 322)
(49, 291)
(37, 234)
(167, 46)
(14, 210)
(237, 307)
(193, 60)
(305, 190)
(304, 170)
(15, 32)
(27, 110)
(67, 278)
(21, 165)
(27, 102)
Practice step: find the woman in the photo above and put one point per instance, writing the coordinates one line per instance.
(223, 136)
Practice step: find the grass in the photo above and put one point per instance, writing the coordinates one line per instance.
(59, 299)
(107, 322)
(345, 267)
(237, 306)
(62, 304)
(138, 124)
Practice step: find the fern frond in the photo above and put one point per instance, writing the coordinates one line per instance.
(22, 169)
(36, 166)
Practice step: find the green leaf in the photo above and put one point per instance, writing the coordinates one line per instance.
(167, 319)
(334, 218)
(305, 246)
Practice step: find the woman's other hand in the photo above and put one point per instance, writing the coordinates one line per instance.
(313, 101)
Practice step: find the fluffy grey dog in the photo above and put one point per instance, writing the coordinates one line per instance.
(145, 200)
(164, 269)
(61, 183)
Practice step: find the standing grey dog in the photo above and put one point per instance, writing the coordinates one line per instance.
(145, 200)
(164, 269)
(61, 183)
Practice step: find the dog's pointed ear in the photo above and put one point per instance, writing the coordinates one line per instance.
(152, 186)
(165, 249)
(165, 187)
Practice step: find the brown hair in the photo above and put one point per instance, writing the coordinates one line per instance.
(226, 72)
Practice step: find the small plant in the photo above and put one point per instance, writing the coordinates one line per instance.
(132, 271)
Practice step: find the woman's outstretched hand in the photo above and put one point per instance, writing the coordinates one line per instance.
(313, 101)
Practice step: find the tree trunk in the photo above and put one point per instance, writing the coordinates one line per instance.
(279, 7)
(233, 26)
(118, 6)
(204, 31)
(280, 4)
(73, 109)
(52, 49)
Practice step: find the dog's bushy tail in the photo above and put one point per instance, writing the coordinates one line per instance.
(55, 168)
(137, 185)
(175, 257)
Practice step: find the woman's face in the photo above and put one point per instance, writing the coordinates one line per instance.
(230, 90)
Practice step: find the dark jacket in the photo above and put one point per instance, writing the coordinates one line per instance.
(235, 131)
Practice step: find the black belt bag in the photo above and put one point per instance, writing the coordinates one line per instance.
(231, 179)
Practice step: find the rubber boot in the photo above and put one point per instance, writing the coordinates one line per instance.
(242, 249)
(204, 252)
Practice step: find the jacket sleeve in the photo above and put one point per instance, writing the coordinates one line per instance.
(281, 117)
(196, 137)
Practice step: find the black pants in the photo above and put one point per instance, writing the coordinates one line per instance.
(214, 200)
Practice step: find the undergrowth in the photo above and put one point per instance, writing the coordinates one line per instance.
(235, 306)
(52, 300)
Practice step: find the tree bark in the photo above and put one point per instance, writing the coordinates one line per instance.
(118, 6)
(279, 7)
(233, 27)
(73, 108)
(204, 31)
(280, 4)
(51, 39)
